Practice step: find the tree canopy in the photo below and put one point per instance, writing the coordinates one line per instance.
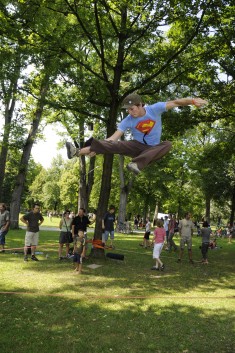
(74, 62)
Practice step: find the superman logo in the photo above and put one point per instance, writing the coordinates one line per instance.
(145, 126)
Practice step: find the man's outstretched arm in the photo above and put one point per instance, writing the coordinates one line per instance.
(181, 102)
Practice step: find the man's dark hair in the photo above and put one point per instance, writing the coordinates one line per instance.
(111, 207)
(36, 204)
(83, 209)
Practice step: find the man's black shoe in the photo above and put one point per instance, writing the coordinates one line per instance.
(34, 258)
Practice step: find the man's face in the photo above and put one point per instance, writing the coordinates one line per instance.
(188, 216)
(2, 208)
(36, 209)
(81, 212)
(81, 234)
(112, 210)
(136, 110)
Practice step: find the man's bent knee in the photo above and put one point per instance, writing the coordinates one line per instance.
(168, 145)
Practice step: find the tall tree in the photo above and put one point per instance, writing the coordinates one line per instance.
(118, 42)
(36, 119)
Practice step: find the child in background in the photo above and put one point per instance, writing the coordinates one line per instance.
(213, 244)
(158, 239)
(205, 233)
(79, 251)
(146, 242)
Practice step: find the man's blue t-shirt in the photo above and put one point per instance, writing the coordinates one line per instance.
(147, 128)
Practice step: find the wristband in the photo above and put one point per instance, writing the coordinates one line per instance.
(193, 101)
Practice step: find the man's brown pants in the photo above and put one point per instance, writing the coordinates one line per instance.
(141, 154)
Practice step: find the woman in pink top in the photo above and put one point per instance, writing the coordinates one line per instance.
(158, 239)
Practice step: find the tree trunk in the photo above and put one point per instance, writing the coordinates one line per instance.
(155, 215)
(208, 208)
(20, 179)
(124, 191)
(10, 101)
(90, 178)
(107, 173)
(231, 221)
(86, 180)
(104, 194)
(82, 195)
(146, 209)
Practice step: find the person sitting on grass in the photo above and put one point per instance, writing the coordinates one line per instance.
(79, 251)
(213, 244)
(158, 239)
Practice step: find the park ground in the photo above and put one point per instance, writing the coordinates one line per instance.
(121, 306)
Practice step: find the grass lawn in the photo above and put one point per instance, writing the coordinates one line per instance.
(119, 307)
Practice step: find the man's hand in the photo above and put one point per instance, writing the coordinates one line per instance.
(198, 102)
(91, 154)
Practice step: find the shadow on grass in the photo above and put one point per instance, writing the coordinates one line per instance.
(132, 275)
(120, 278)
(51, 324)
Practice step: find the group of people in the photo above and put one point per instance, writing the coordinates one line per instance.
(164, 233)
(72, 230)
(145, 124)
(78, 234)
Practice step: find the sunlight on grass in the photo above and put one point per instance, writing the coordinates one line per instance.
(124, 298)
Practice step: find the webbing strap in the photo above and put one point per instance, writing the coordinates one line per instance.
(144, 138)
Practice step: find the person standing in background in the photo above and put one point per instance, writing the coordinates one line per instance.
(166, 227)
(158, 240)
(205, 233)
(108, 225)
(65, 233)
(4, 224)
(172, 226)
(186, 232)
(146, 242)
(33, 220)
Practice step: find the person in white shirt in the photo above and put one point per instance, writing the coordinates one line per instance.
(186, 227)
(166, 227)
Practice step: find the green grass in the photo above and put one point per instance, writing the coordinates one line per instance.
(120, 307)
